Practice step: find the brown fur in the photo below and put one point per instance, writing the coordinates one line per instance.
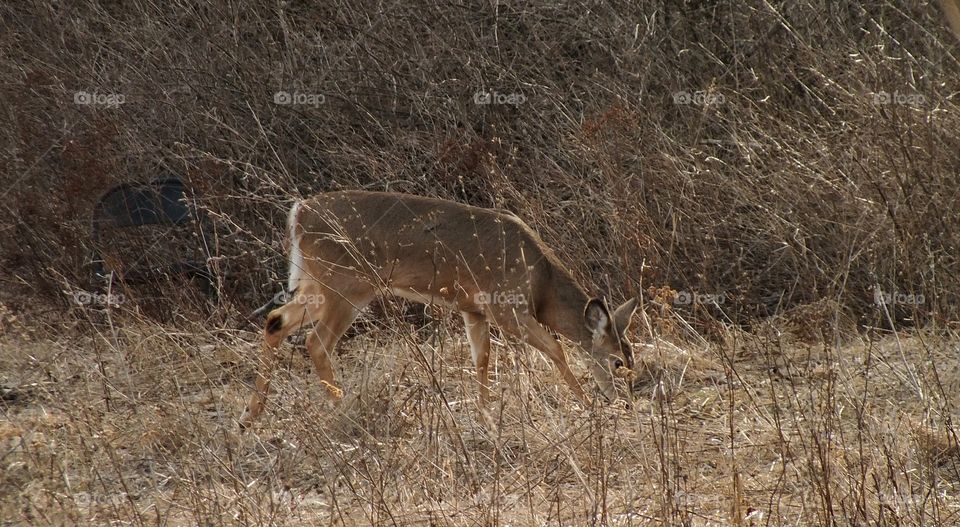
(487, 264)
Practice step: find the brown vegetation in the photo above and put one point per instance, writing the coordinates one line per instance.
(759, 174)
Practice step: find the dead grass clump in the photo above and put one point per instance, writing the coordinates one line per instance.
(630, 141)
(822, 321)
(144, 426)
(939, 452)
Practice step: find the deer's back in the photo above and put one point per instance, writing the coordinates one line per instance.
(425, 243)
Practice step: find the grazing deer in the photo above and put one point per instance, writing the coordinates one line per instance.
(347, 248)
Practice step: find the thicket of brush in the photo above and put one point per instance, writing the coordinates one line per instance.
(773, 155)
(761, 173)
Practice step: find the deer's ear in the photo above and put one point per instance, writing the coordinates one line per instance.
(623, 315)
(596, 316)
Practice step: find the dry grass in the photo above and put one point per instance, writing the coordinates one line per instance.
(139, 427)
(760, 174)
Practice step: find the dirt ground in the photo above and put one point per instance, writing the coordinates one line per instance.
(137, 424)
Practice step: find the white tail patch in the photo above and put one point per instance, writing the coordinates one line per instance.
(296, 253)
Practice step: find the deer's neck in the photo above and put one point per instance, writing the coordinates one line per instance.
(565, 312)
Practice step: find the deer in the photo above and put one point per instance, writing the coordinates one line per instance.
(347, 248)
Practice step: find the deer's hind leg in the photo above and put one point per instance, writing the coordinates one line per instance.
(478, 335)
(332, 319)
(331, 312)
(281, 322)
